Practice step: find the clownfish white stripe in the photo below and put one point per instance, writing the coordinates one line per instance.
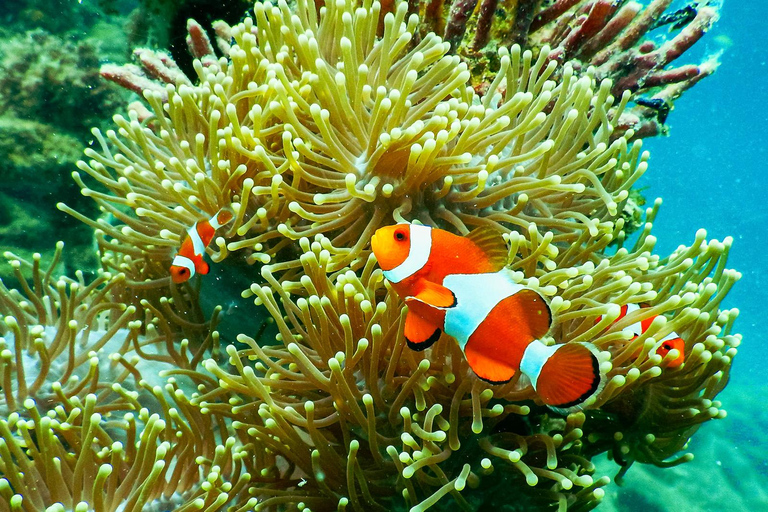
(637, 327)
(183, 261)
(418, 254)
(197, 242)
(214, 222)
(534, 357)
(472, 307)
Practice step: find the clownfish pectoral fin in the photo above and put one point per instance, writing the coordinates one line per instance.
(202, 267)
(492, 244)
(422, 324)
(420, 333)
(435, 295)
(564, 376)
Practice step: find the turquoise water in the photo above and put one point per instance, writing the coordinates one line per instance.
(712, 173)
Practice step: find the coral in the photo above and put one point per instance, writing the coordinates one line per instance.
(27, 149)
(317, 127)
(62, 16)
(50, 95)
(54, 81)
(618, 40)
(614, 37)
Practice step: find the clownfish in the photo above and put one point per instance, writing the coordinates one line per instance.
(667, 343)
(189, 260)
(460, 285)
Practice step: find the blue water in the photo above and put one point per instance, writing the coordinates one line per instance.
(712, 173)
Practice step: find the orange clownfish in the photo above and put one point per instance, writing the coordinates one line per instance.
(460, 285)
(189, 260)
(667, 343)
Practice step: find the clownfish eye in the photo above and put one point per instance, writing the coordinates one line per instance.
(666, 346)
(399, 236)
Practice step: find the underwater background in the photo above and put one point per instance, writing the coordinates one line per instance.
(712, 173)
(710, 170)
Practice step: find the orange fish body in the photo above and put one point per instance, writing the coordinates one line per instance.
(459, 285)
(189, 260)
(666, 344)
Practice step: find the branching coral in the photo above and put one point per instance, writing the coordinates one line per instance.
(50, 96)
(54, 81)
(618, 38)
(317, 128)
(613, 36)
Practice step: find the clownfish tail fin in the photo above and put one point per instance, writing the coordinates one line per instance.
(564, 376)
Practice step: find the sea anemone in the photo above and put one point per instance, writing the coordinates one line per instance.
(321, 127)
(317, 128)
(95, 411)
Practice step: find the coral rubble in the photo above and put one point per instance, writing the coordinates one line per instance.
(318, 126)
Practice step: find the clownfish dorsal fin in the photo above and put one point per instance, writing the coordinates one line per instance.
(434, 295)
(492, 244)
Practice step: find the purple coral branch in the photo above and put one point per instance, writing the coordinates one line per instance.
(432, 20)
(484, 22)
(197, 40)
(687, 37)
(598, 15)
(612, 29)
(645, 66)
(157, 68)
(522, 27)
(458, 15)
(670, 76)
(644, 121)
(223, 36)
(160, 66)
(552, 13)
(413, 7)
(640, 26)
(131, 77)
(587, 26)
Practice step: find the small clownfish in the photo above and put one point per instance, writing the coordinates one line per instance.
(189, 260)
(460, 285)
(667, 343)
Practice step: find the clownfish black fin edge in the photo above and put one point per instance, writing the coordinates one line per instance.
(494, 382)
(581, 402)
(420, 346)
(569, 377)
